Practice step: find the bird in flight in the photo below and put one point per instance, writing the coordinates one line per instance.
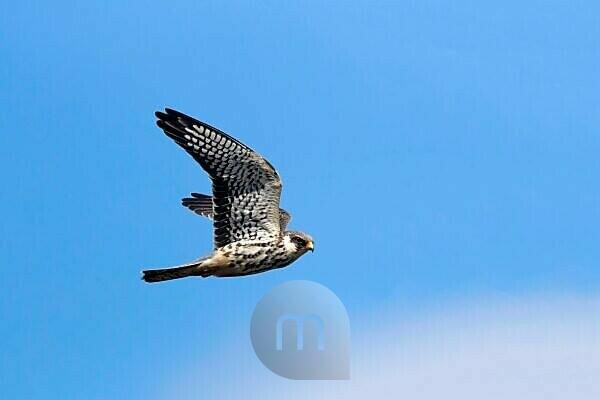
(249, 228)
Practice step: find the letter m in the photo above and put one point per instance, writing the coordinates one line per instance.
(299, 321)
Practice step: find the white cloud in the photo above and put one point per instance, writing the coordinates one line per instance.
(529, 348)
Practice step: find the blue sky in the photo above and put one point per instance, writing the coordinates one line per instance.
(436, 152)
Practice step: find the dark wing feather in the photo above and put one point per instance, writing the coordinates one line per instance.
(202, 204)
(246, 188)
(284, 219)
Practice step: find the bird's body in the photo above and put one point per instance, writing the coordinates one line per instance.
(249, 226)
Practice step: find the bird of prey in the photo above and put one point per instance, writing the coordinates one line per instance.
(249, 228)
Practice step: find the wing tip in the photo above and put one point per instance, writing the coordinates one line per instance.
(200, 196)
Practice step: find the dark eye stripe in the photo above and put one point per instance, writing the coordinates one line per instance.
(300, 241)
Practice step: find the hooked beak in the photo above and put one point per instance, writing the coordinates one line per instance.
(310, 246)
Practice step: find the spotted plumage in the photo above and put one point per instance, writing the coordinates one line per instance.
(248, 226)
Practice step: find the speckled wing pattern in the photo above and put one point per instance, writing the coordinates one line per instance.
(202, 204)
(246, 187)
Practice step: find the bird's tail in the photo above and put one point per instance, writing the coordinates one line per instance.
(181, 271)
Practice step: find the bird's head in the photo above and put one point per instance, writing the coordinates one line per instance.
(299, 242)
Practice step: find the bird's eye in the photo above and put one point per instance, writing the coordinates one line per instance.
(299, 241)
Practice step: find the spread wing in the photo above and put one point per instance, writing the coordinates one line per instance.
(202, 204)
(246, 188)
